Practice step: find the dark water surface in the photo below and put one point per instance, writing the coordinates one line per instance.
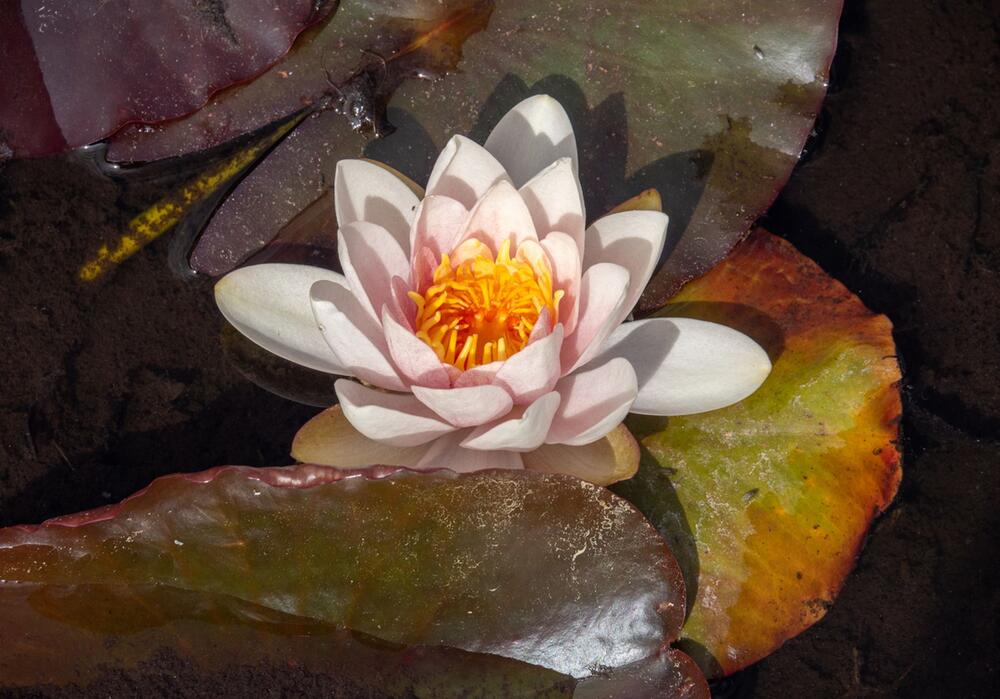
(100, 393)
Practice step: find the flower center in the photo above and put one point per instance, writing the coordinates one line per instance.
(483, 309)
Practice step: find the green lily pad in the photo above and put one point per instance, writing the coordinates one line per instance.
(766, 503)
(543, 569)
(710, 103)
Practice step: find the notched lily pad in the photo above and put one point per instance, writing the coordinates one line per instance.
(543, 569)
(766, 503)
(75, 70)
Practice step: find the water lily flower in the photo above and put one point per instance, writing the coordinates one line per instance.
(482, 324)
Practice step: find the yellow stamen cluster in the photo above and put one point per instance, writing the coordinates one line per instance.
(482, 309)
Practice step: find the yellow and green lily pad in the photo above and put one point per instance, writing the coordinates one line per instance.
(766, 503)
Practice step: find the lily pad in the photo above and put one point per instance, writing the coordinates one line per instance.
(767, 503)
(90, 639)
(710, 103)
(75, 71)
(543, 569)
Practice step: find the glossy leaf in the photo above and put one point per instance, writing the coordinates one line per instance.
(92, 639)
(710, 103)
(767, 503)
(77, 70)
(539, 568)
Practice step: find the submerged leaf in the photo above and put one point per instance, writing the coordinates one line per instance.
(766, 503)
(77, 70)
(539, 568)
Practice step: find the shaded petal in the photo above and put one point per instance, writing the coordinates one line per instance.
(564, 259)
(633, 240)
(413, 357)
(364, 191)
(446, 452)
(480, 375)
(330, 439)
(270, 305)
(371, 257)
(532, 135)
(438, 223)
(354, 336)
(524, 430)
(603, 290)
(464, 171)
(500, 215)
(533, 371)
(594, 402)
(613, 458)
(686, 366)
(466, 407)
(555, 200)
(397, 419)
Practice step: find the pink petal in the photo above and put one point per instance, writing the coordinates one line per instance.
(535, 133)
(397, 419)
(464, 171)
(364, 191)
(413, 357)
(422, 274)
(354, 336)
(555, 201)
(632, 239)
(371, 257)
(594, 402)
(479, 376)
(500, 215)
(564, 259)
(603, 291)
(525, 429)
(466, 407)
(446, 452)
(533, 371)
(438, 222)
(403, 307)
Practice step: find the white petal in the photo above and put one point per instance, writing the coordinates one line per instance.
(686, 366)
(270, 305)
(555, 201)
(594, 402)
(371, 257)
(632, 239)
(437, 225)
(364, 191)
(466, 407)
(531, 136)
(464, 171)
(354, 336)
(446, 452)
(603, 290)
(398, 419)
(524, 430)
(610, 459)
(330, 440)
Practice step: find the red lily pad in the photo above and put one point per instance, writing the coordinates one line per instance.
(542, 569)
(75, 71)
(91, 639)
(767, 503)
(709, 104)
